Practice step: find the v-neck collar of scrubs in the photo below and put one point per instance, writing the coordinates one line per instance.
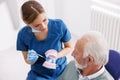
(49, 25)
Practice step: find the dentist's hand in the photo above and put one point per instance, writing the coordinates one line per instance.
(32, 56)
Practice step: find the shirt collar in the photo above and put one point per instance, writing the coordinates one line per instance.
(95, 74)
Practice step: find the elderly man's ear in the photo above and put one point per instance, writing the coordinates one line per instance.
(90, 60)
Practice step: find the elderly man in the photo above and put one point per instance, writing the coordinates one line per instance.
(91, 53)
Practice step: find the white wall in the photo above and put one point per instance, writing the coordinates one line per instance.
(7, 31)
(117, 2)
(75, 13)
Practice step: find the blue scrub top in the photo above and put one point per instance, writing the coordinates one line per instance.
(57, 33)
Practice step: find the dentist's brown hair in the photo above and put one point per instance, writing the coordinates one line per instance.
(30, 10)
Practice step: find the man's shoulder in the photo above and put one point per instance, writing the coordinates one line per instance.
(107, 75)
(104, 76)
(70, 67)
(70, 72)
(71, 64)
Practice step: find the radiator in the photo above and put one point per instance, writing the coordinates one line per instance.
(107, 22)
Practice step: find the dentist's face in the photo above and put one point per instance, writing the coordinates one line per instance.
(40, 23)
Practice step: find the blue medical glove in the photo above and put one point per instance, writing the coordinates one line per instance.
(51, 57)
(32, 56)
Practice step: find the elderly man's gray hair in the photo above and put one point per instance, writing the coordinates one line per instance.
(97, 47)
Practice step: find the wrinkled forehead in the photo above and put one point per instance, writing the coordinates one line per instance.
(80, 44)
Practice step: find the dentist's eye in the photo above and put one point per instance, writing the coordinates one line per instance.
(37, 25)
(44, 20)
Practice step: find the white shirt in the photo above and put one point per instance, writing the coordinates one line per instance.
(92, 76)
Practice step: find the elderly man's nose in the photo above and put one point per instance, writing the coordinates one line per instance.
(73, 53)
